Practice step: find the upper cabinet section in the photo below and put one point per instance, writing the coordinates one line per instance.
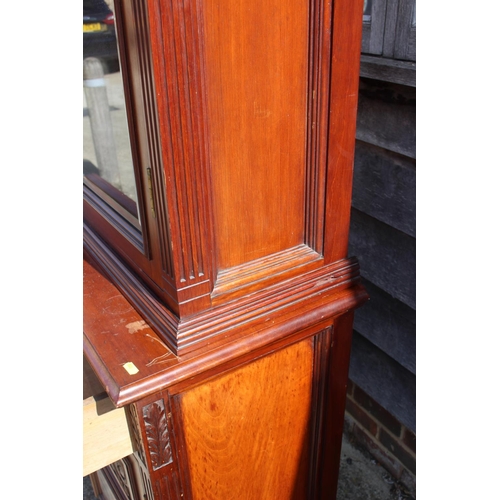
(241, 126)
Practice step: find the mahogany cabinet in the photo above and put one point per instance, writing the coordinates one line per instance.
(219, 299)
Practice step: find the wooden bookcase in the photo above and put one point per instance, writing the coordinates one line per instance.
(218, 307)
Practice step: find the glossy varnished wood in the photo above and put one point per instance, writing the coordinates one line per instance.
(226, 333)
(137, 368)
(115, 334)
(243, 118)
(256, 85)
(346, 55)
(336, 388)
(238, 424)
(325, 287)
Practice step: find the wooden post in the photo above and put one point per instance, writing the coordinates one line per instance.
(100, 120)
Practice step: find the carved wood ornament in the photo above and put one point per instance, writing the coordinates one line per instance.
(155, 422)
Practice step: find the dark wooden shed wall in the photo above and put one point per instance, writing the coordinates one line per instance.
(383, 237)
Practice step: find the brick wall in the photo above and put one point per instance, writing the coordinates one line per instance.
(374, 429)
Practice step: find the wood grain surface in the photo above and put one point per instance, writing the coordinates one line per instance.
(106, 436)
(238, 424)
(256, 80)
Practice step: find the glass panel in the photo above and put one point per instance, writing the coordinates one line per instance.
(367, 11)
(107, 157)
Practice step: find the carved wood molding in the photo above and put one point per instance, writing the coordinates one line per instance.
(133, 419)
(124, 477)
(223, 323)
(241, 280)
(168, 63)
(147, 125)
(163, 472)
(269, 306)
(322, 345)
(177, 28)
(120, 478)
(140, 296)
(139, 451)
(180, 109)
(158, 439)
(320, 15)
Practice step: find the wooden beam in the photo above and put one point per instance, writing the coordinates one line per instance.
(106, 437)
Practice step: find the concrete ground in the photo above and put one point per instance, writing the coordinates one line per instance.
(88, 492)
(361, 478)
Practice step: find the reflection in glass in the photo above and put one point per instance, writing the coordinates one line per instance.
(107, 158)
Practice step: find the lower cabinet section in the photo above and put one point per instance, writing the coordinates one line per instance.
(259, 430)
(246, 433)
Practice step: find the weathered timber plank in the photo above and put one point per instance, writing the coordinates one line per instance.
(387, 116)
(386, 255)
(391, 22)
(389, 70)
(373, 31)
(389, 324)
(384, 186)
(405, 38)
(384, 379)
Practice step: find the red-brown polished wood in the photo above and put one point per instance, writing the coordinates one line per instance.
(299, 379)
(238, 424)
(243, 120)
(237, 293)
(256, 92)
(342, 134)
(115, 334)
